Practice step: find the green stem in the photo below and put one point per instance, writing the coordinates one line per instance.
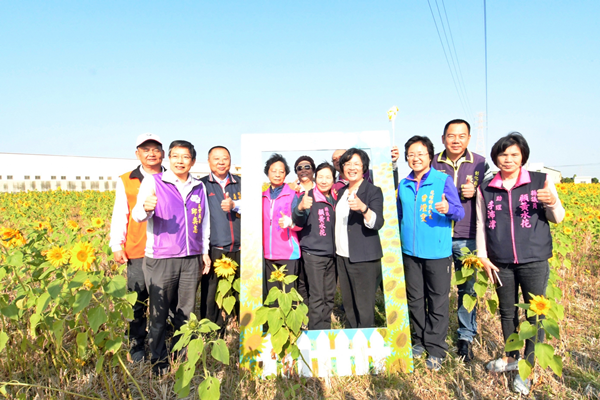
(48, 388)
(131, 377)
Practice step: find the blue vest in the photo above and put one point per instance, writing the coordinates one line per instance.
(424, 232)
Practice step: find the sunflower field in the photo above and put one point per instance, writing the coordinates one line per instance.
(64, 311)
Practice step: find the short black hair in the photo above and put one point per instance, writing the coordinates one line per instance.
(457, 121)
(424, 140)
(364, 157)
(325, 165)
(219, 147)
(183, 143)
(305, 158)
(513, 138)
(275, 157)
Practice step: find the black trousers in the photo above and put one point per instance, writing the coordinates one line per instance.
(208, 287)
(136, 283)
(269, 266)
(169, 281)
(321, 279)
(531, 278)
(358, 284)
(303, 286)
(427, 292)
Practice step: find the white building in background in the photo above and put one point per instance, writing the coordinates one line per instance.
(556, 175)
(22, 172)
(582, 179)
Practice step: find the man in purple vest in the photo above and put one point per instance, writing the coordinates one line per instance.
(468, 171)
(177, 244)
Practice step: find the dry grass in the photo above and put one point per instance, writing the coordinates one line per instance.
(579, 347)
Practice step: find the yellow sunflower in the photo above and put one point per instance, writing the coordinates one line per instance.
(472, 261)
(57, 256)
(397, 365)
(390, 259)
(11, 238)
(72, 225)
(88, 284)
(567, 230)
(390, 285)
(97, 222)
(252, 343)
(400, 293)
(539, 305)
(278, 274)
(399, 339)
(225, 266)
(82, 256)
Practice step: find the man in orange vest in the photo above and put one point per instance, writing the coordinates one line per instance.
(128, 238)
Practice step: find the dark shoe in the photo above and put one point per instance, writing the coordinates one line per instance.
(418, 350)
(137, 355)
(434, 363)
(160, 369)
(464, 350)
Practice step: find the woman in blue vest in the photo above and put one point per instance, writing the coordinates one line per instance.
(428, 202)
(314, 213)
(514, 241)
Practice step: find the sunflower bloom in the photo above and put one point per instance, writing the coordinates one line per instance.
(225, 267)
(82, 256)
(11, 238)
(72, 225)
(88, 284)
(57, 256)
(278, 274)
(472, 261)
(97, 222)
(539, 305)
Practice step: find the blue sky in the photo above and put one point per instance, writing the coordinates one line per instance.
(86, 77)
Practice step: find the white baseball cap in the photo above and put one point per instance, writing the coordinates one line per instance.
(144, 137)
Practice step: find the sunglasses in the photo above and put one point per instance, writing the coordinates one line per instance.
(301, 167)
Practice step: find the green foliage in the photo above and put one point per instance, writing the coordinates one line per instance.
(191, 337)
(471, 270)
(284, 312)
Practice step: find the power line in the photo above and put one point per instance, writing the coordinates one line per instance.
(460, 97)
(457, 66)
(487, 118)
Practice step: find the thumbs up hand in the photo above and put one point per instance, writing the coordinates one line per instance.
(442, 207)
(468, 189)
(355, 203)
(227, 204)
(284, 221)
(545, 195)
(306, 202)
(150, 203)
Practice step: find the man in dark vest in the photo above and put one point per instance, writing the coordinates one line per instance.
(128, 238)
(223, 191)
(468, 171)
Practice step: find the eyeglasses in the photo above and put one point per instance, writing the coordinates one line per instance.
(417, 155)
(355, 165)
(184, 157)
(146, 150)
(301, 167)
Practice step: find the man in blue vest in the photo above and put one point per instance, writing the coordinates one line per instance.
(468, 171)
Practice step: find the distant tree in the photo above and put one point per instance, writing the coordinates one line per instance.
(567, 180)
(594, 180)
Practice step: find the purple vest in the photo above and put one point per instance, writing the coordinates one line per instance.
(177, 223)
(472, 165)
